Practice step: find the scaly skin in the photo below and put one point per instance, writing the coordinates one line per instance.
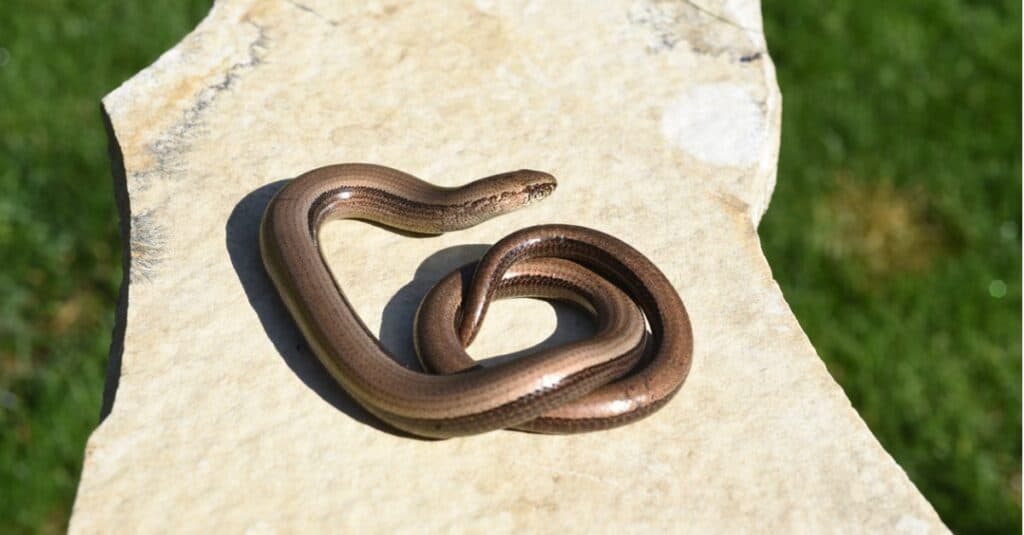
(546, 391)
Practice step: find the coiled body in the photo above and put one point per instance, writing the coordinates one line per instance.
(619, 375)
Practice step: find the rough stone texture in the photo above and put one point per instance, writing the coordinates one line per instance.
(661, 120)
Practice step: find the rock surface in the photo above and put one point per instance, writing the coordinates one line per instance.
(661, 121)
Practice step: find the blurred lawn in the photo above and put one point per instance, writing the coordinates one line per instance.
(894, 231)
(895, 228)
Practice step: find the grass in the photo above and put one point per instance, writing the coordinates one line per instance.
(58, 233)
(895, 228)
(894, 231)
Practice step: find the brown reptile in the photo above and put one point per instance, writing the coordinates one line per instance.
(617, 376)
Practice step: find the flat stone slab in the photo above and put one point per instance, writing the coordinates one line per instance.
(661, 122)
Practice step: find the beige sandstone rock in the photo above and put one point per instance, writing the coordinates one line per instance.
(661, 120)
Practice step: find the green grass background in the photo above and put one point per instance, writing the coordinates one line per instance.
(894, 231)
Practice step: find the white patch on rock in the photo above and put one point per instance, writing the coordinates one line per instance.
(717, 123)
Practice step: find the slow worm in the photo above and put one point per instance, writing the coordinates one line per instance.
(617, 376)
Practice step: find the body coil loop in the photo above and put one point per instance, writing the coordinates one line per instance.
(619, 375)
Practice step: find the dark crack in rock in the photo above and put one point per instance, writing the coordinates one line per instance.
(311, 11)
(672, 23)
(168, 151)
